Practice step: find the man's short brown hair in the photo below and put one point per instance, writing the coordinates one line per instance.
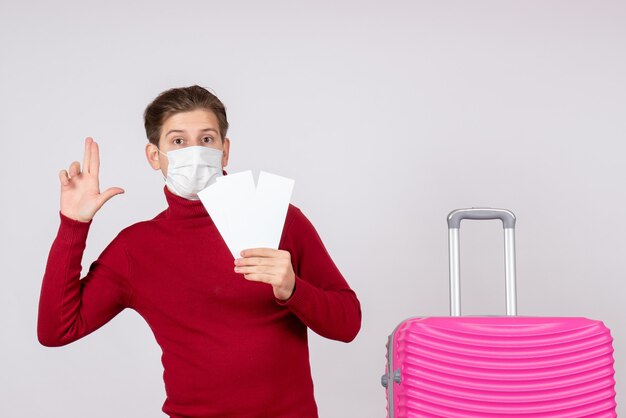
(182, 99)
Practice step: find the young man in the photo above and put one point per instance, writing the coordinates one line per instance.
(233, 334)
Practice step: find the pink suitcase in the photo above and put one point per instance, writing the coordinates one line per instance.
(496, 366)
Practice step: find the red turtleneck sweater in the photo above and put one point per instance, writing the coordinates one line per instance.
(230, 349)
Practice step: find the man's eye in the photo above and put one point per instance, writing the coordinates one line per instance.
(178, 141)
(207, 139)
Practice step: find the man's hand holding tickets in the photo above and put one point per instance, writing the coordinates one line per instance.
(269, 266)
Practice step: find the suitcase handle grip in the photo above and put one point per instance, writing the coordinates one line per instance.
(506, 216)
(508, 223)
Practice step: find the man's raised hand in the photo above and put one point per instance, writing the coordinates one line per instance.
(80, 190)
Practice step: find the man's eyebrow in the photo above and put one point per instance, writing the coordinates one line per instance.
(180, 131)
(171, 131)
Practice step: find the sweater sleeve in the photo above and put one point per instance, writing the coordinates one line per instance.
(322, 298)
(71, 307)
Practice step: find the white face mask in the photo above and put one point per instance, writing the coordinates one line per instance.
(192, 169)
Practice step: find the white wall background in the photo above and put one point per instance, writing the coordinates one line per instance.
(387, 114)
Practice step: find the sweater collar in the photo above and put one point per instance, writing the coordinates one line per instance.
(180, 208)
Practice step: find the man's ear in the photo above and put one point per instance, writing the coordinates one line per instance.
(226, 151)
(152, 154)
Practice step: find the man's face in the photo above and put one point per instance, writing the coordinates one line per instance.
(198, 127)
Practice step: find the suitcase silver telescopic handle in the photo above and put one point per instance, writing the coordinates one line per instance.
(508, 223)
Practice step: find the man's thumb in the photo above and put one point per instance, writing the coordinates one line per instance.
(109, 193)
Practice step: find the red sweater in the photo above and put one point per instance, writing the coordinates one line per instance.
(230, 349)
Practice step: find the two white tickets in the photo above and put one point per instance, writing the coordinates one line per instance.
(247, 216)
